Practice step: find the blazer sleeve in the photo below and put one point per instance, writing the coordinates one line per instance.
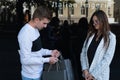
(107, 58)
(83, 58)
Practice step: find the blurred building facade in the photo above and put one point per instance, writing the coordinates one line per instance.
(71, 10)
(85, 8)
(117, 10)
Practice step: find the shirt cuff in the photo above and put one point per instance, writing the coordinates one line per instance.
(49, 52)
(46, 60)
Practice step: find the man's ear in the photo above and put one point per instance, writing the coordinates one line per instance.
(36, 20)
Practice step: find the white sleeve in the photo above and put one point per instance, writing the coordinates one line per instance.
(26, 56)
(83, 58)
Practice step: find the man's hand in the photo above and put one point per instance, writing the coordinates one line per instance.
(55, 53)
(53, 60)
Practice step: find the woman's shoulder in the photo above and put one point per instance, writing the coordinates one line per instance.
(112, 35)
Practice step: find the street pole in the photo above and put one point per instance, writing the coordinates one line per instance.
(86, 3)
(57, 8)
(69, 14)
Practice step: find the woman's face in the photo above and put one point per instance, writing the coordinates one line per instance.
(96, 23)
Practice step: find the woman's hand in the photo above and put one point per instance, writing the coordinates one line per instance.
(87, 75)
(90, 77)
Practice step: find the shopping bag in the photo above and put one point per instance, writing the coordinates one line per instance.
(69, 69)
(54, 75)
(55, 71)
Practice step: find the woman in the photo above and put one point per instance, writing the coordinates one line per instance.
(99, 47)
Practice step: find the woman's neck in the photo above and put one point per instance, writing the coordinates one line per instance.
(98, 34)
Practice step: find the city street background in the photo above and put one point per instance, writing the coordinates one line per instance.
(9, 57)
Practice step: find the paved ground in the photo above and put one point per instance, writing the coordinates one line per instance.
(10, 65)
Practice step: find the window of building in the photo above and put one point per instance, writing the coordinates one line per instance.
(97, 6)
(72, 10)
(83, 10)
(61, 10)
(109, 11)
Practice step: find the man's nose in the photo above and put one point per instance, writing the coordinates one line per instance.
(45, 26)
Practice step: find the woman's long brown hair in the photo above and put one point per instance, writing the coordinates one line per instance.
(105, 28)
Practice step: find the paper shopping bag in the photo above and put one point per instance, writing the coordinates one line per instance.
(54, 75)
(55, 71)
(69, 69)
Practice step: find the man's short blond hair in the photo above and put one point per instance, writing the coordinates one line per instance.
(42, 12)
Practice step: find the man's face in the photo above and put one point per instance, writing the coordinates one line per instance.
(42, 23)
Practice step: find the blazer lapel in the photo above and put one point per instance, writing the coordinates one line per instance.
(98, 54)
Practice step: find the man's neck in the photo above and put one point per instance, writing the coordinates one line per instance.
(31, 22)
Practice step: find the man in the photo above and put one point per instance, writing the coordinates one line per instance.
(31, 51)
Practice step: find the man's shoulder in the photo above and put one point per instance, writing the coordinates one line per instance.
(24, 30)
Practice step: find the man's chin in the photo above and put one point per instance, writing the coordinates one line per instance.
(41, 28)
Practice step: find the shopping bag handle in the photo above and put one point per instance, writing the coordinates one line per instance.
(57, 63)
(57, 66)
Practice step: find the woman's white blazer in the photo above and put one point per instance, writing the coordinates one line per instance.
(100, 66)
